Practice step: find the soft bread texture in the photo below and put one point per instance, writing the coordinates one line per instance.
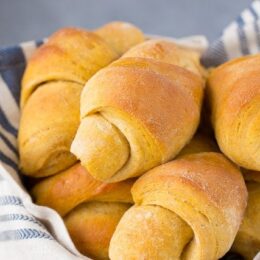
(184, 205)
(91, 226)
(66, 190)
(48, 124)
(136, 114)
(168, 52)
(234, 97)
(247, 242)
(90, 209)
(51, 88)
(121, 36)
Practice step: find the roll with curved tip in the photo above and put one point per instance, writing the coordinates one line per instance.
(96, 135)
(234, 96)
(180, 205)
(47, 126)
(70, 54)
(150, 110)
(52, 82)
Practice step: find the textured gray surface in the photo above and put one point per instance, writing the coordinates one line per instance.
(23, 20)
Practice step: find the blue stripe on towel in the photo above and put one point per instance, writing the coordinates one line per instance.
(5, 159)
(19, 217)
(8, 143)
(242, 36)
(240, 21)
(215, 55)
(256, 26)
(23, 233)
(12, 78)
(4, 122)
(39, 43)
(12, 64)
(254, 13)
(257, 31)
(11, 57)
(243, 41)
(10, 200)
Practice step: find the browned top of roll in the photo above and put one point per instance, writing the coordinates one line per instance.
(168, 52)
(75, 185)
(139, 78)
(241, 75)
(64, 57)
(202, 173)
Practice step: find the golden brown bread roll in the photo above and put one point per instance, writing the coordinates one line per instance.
(91, 226)
(190, 208)
(168, 52)
(247, 242)
(91, 209)
(234, 96)
(138, 112)
(48, 124)
(51, 88)
(121, 36)
(67, 189)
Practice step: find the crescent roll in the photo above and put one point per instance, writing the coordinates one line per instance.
(139, 112)
(189, 208)
(51, 88)
(234, 97)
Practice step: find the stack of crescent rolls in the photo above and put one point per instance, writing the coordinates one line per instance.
(109, 134)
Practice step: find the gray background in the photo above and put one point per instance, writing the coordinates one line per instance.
(23, 20)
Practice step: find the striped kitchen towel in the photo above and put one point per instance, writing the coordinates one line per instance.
(28, 231)
(241, 37)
